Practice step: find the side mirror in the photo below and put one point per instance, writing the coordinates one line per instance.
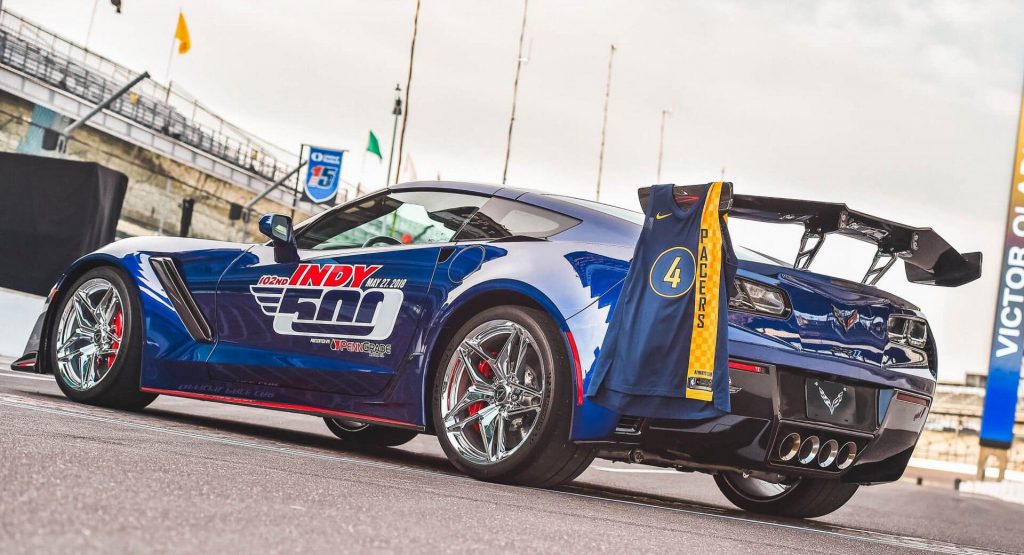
(278, 228)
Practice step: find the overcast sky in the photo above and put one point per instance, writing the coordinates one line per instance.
(907, 110)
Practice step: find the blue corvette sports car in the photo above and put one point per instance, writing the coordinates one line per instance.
(475, 313)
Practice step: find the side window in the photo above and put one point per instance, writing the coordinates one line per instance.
(501, 218)
(399, 218)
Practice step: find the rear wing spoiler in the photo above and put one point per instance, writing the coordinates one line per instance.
(928, 258)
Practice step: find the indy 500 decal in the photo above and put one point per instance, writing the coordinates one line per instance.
(330, 301)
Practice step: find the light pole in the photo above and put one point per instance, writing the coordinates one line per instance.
(604, 126)
(397, 111)
(661, 143)
(515, 95)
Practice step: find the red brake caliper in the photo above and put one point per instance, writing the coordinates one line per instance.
(118, 331)
(485, 369)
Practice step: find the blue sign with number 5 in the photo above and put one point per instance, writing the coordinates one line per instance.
(322, 175)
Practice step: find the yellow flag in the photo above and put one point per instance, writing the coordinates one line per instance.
(181, 33)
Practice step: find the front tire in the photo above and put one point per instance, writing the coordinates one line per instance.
(95, 343)
(799, 498)
(367, 434)
(503, 400)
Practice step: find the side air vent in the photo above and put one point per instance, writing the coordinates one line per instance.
(169, 276)
(629, 425)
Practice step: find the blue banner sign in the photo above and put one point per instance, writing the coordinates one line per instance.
(322, 175)
(1007, 337)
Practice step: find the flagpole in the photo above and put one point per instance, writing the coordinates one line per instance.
(295, 190)
(92, 19)
(362, 168)
(408, 87)
(604, 125)
(515, 95)
(170, 56)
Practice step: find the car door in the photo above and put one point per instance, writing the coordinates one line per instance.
(342, 318)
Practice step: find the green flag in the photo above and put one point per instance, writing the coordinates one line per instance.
(373, 146)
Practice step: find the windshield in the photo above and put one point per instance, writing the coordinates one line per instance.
(637, 218)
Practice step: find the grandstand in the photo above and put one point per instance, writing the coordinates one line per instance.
(32, 50)
(951, 433)
(187, 151)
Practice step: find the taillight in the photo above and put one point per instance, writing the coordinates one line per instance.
(907, 330)
(759, 298)
(747, 367)
(900, 396)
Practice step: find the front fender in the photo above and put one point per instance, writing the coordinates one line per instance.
(202, 263)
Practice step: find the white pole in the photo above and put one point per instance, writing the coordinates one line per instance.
(92, 18)
(661, 143)
(515, 95)
(604, 125)
(362, 170)
(408, 86)
(170, 58)
(170, 55)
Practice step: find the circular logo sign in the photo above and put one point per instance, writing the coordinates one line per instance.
(673, 272)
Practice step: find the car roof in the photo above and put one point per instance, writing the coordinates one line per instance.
(536, 197)
(596, 225)
(482, 188)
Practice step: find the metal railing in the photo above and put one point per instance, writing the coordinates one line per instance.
(29, 48)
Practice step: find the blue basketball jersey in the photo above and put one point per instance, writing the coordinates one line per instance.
(665, 353)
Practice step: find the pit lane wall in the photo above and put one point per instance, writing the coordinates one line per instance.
(157, 184)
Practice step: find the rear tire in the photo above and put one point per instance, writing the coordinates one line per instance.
(368, 434)
(803, 498)
(520, 397)
(95, 342)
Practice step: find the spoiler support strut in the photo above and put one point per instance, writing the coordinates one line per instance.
(876, 270)
(805, 255)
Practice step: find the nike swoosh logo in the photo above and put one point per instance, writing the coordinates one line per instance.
(660, 216)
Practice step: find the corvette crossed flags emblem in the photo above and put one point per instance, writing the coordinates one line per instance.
(845, 318)
(832, 404)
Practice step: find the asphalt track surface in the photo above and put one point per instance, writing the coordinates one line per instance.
(190, 476)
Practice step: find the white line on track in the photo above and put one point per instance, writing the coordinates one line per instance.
(853, 534)
(26, 376)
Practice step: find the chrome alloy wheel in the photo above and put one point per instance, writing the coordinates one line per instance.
(493, 391)
(89, 334)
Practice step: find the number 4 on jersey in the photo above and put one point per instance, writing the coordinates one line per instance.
(672, 275)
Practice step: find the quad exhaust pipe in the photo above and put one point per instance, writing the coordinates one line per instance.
(847, 453)
(811, 450)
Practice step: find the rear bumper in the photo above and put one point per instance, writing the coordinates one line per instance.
(766, 409)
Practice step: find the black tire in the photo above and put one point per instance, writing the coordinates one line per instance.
(367, 434)
(119, 388)
(805, 498)
(546, 458)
